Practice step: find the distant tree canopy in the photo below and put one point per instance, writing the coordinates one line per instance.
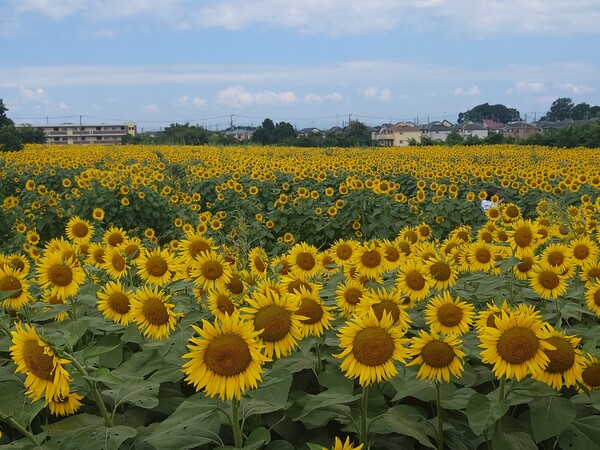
(563, 108)
(185, 134)
(4, 120)
(269, 133)
(499, 113)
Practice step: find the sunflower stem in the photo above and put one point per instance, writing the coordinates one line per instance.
(235, 423)
(93, 390)
(438, 404)
(557, 310)
(501, 393)
(318, 353)
(73, 308)
(24, 431)
(364, 400)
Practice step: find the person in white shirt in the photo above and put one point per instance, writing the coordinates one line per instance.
(487, 202)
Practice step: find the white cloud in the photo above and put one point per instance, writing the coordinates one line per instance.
(311, 99)
(38, 94)
(575, 88)
(335, 97)
(239, 97)
(151, 109)
(186, 102)
(471, 92)
(55, 9)
(530, 87)
(384, 94)
(63, 106)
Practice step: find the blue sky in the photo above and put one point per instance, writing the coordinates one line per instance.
(310, 63)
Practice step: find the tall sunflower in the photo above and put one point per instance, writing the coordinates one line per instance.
(79, 230)
(114, 302)
(210, 271)
(258, 262)
(584, 250)
(317, 316)
(370, 348)
(115, 263)
(441, 272)
(304, 261)
(14, 284)
(369, 260)
(446, 315)
(276, 319)
(516, 346)
(349, 295)
(62, 276)
(590, 374)
(44, 370)
(438, 356)
(382, 302)
(157, 266)
(225, 359)
(153, 313)
(547, 281)
(411, 280)
(64, 405)
(221, 303)
(592, 297)
(566, 361)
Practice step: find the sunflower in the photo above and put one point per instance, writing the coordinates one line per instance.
(225, 359)
(281, 265)
(95, 255)
(62, 276)
(424, 250)
(510, 212)
(236, 283)
(487, 317)
(79, 230)
(480, 256)
(114, 236)
(408, 234)
(566, 361)
(221, 303)
(370, 348)
(369, 260)
(515, 346)
(446, 315)
(529, 260)
(153, 313)
(547, 281)
(592, 297)
(559, 257)
(64, 405)
(16, 261)
(210, 270)
(115, 263)
(114, 302)
(384, 302)
(392, 253)
(304, 261)
(157, 266)
(584, 250)
(349, 295)
(590, 375)
(14, 284)
(47, 297)
(276, 319)
(194, 245)
(44, 370)
(131, 248)
(523, 236)
(411, 280)
(317, 316)
(441, 272)
(438, 356)
(258, 262)
(590, 273)
(342, 251)
(346, 445)
(98, 214)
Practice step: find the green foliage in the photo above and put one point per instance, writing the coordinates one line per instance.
(10, 139)
(499, 113)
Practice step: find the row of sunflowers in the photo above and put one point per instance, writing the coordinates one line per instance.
(425, 337)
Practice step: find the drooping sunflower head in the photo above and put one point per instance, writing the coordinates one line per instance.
(64, 405)
(439, 357)
(447, 315)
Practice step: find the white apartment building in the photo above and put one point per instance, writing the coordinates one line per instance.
(80, 134)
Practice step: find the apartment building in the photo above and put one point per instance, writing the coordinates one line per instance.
(80, 134)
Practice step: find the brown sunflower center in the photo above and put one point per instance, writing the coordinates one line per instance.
(294, 286)
(517, 345)
(597, 297)
(119, 302)
(512, 211)
(311, 310)
(591, 375)
(525, 265)
(491, 320)
(225, 305)
(10, 283)
(581, 251)
(556, 258)
(132, 251)
(437, 354)
(411, 236)
(155, 311)
(548, 279)
(373, 346)
(353, 296)
(212, 270)
(483, 255)
(99, 255)
(118, 262)
(235, 285)
(392, 254)
(414, 280)
(80, 230)
(60, 275)
(343, 252)
(197, 247)
(305, 261)
(561, 359)
(227, 355)
(449, 315)
(523, 237)
(115, 239)
(370, 259)
(275, 321)
(17, 264)
(156, 266)
(55, 300)
(440, 271)
(388, 307)
(259, 265)
(38, 363)
(486, 236)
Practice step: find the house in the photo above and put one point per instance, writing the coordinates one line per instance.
(307, 131)
(492, 126)
(437, 131)
(519, 130)
(398, 135)
(475, 129)
(241, 134)
(80, 134)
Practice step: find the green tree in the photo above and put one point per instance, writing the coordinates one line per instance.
(358, 134)
(560, 109)
(454, 138)
(32, 135)
(10, 139)
(499, 113)
(581, 111)
(185, 134)
(4, 120)
(283, 133)
(264, 133)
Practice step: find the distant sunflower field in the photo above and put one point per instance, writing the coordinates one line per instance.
(286, 298)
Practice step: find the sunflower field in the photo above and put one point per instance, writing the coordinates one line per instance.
(286, 298)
